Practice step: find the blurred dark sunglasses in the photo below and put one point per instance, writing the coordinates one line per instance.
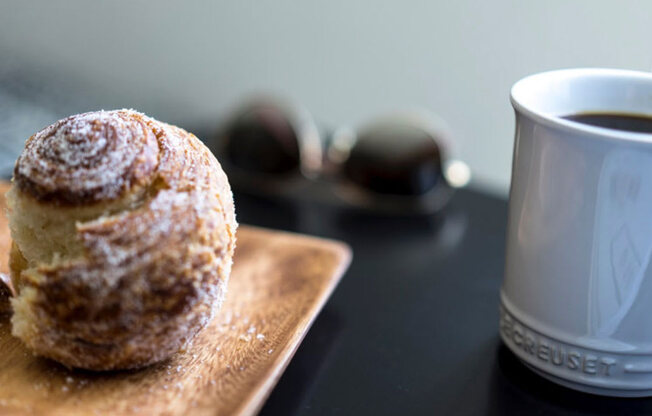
(394, 164)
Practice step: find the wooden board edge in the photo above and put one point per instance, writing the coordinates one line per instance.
(338, 246)
(345, 254)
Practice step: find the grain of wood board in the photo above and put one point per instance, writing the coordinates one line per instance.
(279, 283)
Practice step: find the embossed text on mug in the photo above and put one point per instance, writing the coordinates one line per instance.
(552, 352)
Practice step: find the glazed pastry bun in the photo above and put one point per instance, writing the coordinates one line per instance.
(123, 234)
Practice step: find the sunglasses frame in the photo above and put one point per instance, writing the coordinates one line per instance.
(320, 161)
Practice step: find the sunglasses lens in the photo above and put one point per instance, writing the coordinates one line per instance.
(395, 159)
(262, 140)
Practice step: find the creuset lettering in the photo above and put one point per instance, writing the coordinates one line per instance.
(552, 352)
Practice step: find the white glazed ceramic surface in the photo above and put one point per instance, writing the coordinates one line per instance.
(576, 302)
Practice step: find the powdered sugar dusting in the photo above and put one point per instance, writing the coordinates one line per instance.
(94, 155)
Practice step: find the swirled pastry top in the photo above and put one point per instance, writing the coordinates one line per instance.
(88, 157)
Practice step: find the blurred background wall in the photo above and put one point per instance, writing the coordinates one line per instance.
(188, 62)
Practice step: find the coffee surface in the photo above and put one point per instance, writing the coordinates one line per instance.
(639, 123)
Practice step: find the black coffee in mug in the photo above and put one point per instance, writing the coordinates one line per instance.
(637, 123)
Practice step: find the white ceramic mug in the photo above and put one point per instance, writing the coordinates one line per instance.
(576, 301)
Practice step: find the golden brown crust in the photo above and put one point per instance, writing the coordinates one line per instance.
(88, 157)
(152, 275)
(5, 246)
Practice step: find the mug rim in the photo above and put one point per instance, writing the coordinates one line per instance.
(573, 126)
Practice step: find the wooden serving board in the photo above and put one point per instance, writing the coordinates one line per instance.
(279, 283)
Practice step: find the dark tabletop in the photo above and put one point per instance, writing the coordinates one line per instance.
(412, 327)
